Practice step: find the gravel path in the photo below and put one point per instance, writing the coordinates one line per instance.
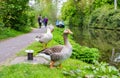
(9, 47)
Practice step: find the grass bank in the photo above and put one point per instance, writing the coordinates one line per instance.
(6, 33)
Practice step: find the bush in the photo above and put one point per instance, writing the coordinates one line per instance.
(85, 54)
(99, 70)
(15, 15)
(105, 17)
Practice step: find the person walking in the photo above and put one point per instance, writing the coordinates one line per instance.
(40, 21)
(45, 21)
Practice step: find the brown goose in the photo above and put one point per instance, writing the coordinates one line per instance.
(46, 37)
(58, 53)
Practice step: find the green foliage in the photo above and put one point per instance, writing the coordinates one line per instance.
(99, 70)
(72, 73)
(38, 70)
(78, 12)
(67, 10)
(99, 3)
(70, 13)
(85, 54)
(7, 33)
(103, 69)
(105, 17)
(1, 26)
(15, 14)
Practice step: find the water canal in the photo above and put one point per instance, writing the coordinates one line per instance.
(104, 40)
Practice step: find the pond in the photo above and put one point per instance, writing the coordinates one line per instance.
(104, 40)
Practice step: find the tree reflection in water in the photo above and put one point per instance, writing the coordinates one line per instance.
(104, 40)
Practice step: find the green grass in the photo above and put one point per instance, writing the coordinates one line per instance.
(34, 46)
(38, 70)
(71, 68)
(8, 33)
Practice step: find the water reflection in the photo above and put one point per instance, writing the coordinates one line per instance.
(104, 40)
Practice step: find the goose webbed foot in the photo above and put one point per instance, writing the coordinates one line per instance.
(52, 64)
(60, 66)
(44, 46)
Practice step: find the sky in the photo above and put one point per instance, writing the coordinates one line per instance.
(31, 2)
(60, 5)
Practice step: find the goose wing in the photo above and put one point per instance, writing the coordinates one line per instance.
(52, 50)
(39, 37)
(44, 38)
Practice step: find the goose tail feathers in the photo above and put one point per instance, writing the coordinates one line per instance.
(47, 57)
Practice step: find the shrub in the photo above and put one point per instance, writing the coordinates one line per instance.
(85, 54)
(99, 70)
(15, 15)
(105, 17)
(103, 69)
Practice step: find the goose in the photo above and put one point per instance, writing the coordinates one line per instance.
(57, 54)
(45, 37)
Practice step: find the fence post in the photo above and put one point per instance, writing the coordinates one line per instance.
(29, 54)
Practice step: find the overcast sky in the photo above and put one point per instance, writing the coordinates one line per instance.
(60, 3)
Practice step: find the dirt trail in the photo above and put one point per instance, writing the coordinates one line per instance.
(9, 47)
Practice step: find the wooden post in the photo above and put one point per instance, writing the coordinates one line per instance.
(112, 56)
(29, 54)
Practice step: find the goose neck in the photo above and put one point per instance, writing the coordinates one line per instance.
(66, 41)
(48, 31)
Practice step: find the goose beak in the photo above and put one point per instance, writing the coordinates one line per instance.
(52, 30)
(68, 31)
(71, 32)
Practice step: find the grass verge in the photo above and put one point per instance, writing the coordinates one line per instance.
(7, 33)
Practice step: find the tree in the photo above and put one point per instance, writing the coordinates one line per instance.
(78, 12)
(14, 14)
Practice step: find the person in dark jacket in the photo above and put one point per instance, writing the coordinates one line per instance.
(45, 21)
(40, 21)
